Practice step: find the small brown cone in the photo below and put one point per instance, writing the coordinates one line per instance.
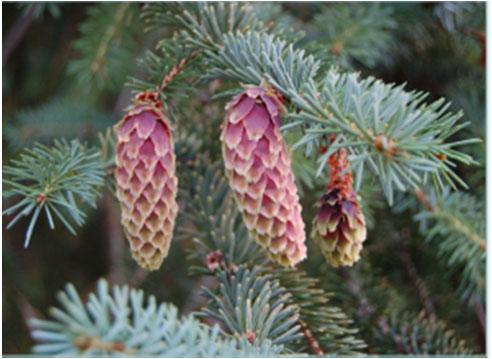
(339, 227)
(145, 179)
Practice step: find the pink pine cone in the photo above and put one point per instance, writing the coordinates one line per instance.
(146, 180)
(258, 167)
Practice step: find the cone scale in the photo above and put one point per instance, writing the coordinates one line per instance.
(258, 166)
(146, 183)
(339, 227)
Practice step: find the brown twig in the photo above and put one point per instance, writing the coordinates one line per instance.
(176, 70)
(480, 313)
(423, 200)
(196, 299)
(84, 343)
(99, 60)
(138, 277)
(115, 240)
(455, 222)
(418, 282)
(311, 339)
(26, 309)
(481, 37)
(17, 32)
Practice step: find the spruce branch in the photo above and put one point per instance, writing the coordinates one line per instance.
(253, 305)
(168, 66)
(418, 335)
(255, 56)
(206, 23)
(398, 141)
(469, 95)
(419, 283)
(222, 245)
(59, 117)
(361, 34)
(216, 224)
(55, 181)
(455, 221)
(122, 321)
(327, 324)
(176, 70)
(392, 132)
(401, 139)
(105, 47)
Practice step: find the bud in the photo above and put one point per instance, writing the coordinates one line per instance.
(258, 167)
(146, 184)
(339, 226)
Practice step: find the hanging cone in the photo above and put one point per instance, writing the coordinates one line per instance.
(145, 179)
(339, 226)
(258, 167)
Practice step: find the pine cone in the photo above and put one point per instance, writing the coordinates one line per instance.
(339, 226)
(146, 180)
(258, 167)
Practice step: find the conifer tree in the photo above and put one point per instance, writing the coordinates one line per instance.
(222, 179)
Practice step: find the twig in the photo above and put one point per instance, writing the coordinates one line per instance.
(455, 222)
(480, 313)
(138, 277)
(423, 200)
(311, 339)
(25, 308)
(354, 286)
(112, 31)
(84, 343)
(115, 240)
(196, 299)
(417, 281)
(15, 35)
(481, 37)
(176, 70)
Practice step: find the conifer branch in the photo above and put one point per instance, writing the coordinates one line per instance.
(120, 322)
(418, 335)
(456, 223)
(217, 228)
(104, 54)
(253, 305)
(347, 34)
(55, 181)
(391, 131)
(458, 220)
(168, 68)
(111, 32)
(328, 323)
(418, 283)
(59, 117)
